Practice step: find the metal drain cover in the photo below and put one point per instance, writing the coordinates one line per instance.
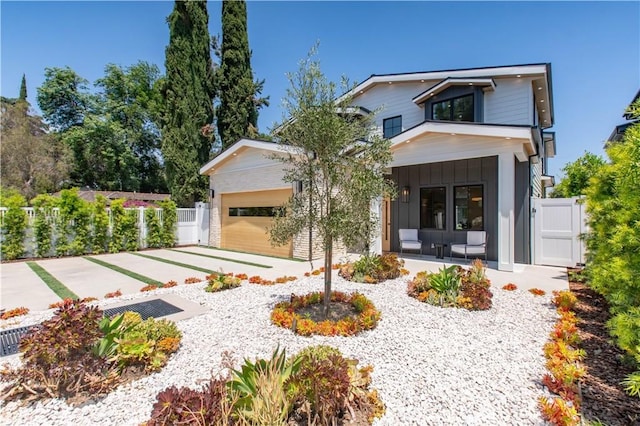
(156, 308)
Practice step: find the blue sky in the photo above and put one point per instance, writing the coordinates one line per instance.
(594, 47)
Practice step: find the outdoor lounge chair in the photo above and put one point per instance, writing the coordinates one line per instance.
(476, 246)
(409, 240)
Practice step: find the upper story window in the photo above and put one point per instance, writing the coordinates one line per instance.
(392, 126)
(456, 109)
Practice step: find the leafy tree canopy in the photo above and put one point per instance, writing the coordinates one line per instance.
(64, 98)
(577, 176)
(31, 160)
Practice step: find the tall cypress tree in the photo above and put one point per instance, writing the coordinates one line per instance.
(237, 115)
(23, 89)
(188, 93)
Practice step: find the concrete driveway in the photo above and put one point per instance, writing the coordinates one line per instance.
(20, 286)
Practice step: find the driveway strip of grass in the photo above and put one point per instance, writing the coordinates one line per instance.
(184, 265)
(244, 262)
(58, 288)
(293, 259)
(126, 272)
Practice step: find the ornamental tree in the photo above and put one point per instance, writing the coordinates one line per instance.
(237, 115)
(188, 101)
(339, 164)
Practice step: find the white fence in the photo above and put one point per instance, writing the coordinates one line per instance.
(192, 226)
(558, 224)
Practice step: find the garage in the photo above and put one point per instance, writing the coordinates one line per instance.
(246, 217)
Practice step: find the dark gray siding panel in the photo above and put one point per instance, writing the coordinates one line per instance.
(448, 174)
(522, 252)
(460, 171)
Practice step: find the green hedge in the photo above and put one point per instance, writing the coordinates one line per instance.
(613, 242)
(80, 227)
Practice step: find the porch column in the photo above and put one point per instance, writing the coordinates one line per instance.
(215, 218)
(376, 214)
(506, 221)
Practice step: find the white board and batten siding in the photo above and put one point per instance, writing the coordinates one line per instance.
(557, 226)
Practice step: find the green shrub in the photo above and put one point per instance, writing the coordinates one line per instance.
(124, 234)
(14, 227)
(130, 230)
(169, 222)
(613, 240)
(147, 343)
(42, 226)
(73, 225)
(155, 236)
(100, 217)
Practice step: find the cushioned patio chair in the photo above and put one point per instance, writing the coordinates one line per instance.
(476, 246)
(409, 240)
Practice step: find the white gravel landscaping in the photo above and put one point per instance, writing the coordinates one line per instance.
(432, 366)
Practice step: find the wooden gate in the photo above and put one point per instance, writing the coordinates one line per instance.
(557, 226)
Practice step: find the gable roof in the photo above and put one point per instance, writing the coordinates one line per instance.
(496, 71)
(486, 83)
(232, 151)
(541, 73)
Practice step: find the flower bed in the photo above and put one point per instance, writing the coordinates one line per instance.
(78, 353)
(454, 286)
(564, 365)
(366, 316)
(317, 386)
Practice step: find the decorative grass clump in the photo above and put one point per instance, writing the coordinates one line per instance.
(349, 314)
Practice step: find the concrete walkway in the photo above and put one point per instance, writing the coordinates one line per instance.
(20, 286)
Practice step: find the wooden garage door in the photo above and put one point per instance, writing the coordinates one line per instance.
(244, 224)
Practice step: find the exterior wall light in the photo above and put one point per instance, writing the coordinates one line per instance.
(405, 193)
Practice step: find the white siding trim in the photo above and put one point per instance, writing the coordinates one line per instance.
(506, 221)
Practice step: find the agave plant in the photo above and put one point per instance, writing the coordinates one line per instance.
(446, 282)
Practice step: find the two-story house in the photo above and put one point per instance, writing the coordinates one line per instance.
(469, 148)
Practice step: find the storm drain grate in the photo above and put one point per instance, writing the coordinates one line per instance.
(155, 308)
(10, 339)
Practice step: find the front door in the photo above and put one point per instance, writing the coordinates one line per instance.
(386, 225)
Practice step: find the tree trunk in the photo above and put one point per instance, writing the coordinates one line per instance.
(328, 257)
